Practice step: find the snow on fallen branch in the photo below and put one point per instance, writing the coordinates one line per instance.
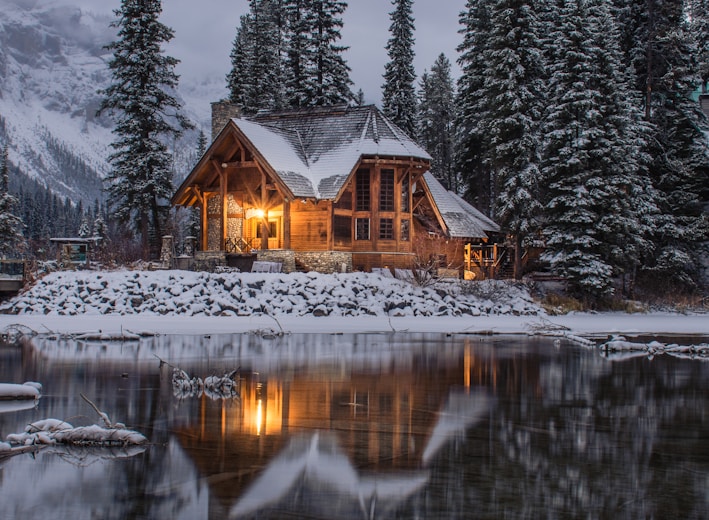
(29, 390)
(48, 432)
(214, 387)
(545, 327)
(619, 344)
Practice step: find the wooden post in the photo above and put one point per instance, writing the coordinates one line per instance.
(286, 224)
(225, 206)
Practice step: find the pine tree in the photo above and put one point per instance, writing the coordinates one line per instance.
(11, 226)
(84, 227)
(600, 205)
(513, 79)
(436, 121)
(576, 196)
(256, 79)
(316, 71)
(667, 72)
(399, 94)
(201, 144)
(146, 114)
(477, 176)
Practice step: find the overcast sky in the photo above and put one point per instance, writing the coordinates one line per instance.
(205, 31)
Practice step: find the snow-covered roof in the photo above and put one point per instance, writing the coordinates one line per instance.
(315, 150)
(461, 219)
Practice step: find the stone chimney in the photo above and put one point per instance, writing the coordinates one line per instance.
(222, 112)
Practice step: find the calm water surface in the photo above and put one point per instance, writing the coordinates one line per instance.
(364, 426)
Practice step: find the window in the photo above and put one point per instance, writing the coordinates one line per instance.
(343, 229)
(363, 183)
(362, 229)
(386, 228)
(405, 231)
(272, 228)
(386, 191)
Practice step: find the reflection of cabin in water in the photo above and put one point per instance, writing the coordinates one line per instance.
(326, 189)
(392, 426)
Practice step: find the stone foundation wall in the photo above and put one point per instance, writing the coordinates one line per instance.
(285, 256)
(325, 261)
(209, 260)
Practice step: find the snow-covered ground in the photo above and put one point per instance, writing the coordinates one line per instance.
(183, 302)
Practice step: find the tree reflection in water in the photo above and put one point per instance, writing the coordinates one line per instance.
(368, 426)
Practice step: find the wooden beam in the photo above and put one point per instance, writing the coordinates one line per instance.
(238, 164)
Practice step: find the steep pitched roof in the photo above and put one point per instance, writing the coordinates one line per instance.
(460, 218)
(315, 150)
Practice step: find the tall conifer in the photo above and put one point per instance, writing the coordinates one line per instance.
(399, 94)
(11, 226)
(146, 114)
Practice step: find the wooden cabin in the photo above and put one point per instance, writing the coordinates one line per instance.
(328, 189)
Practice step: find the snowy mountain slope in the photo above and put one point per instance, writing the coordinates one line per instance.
(52, 65)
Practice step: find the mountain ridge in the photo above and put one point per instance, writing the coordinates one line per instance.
(53, 63)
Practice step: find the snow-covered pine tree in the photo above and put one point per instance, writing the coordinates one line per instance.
(399, 93)
(146, 116)
(436, 117)
(11, 226)
(620, 160)
(476, 175)
(201, 144)
(514, 97)
(667, 72)
(576, 194)
(84, 227)
(317, 72)
(256, 79)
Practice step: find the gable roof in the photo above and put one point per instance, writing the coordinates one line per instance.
(315, 150)
(461, 219)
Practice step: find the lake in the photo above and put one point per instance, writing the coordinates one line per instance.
(357, 426)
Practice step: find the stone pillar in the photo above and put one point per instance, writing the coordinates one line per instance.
(167, 253)
(190, 246)
(222, 112)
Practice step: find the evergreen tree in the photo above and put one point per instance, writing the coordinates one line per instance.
(510, 127)
(576, 196)
(84, 227)
(256, 79)
(667, 72)
(436, 120)
(146, 114)
(201, 144)
(316, 72)
(11, 237)
(600, 205)
(399, 95)
(477, 176)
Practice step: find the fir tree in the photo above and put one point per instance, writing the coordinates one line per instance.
(11, 226)
(256, 79)
(84, 227)
(399, 94)
(510, 127)
(146, 114)
(667, 72)
(576, 196)
(436, 120)
(201, 144)
(477, 176)
(317, 72)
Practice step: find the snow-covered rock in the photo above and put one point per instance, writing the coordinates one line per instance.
(187, 293)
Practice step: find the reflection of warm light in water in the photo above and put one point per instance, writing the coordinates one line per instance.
(259, 416)
(467, 364)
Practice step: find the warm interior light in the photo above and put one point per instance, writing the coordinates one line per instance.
(259, 416)
(259, 213)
